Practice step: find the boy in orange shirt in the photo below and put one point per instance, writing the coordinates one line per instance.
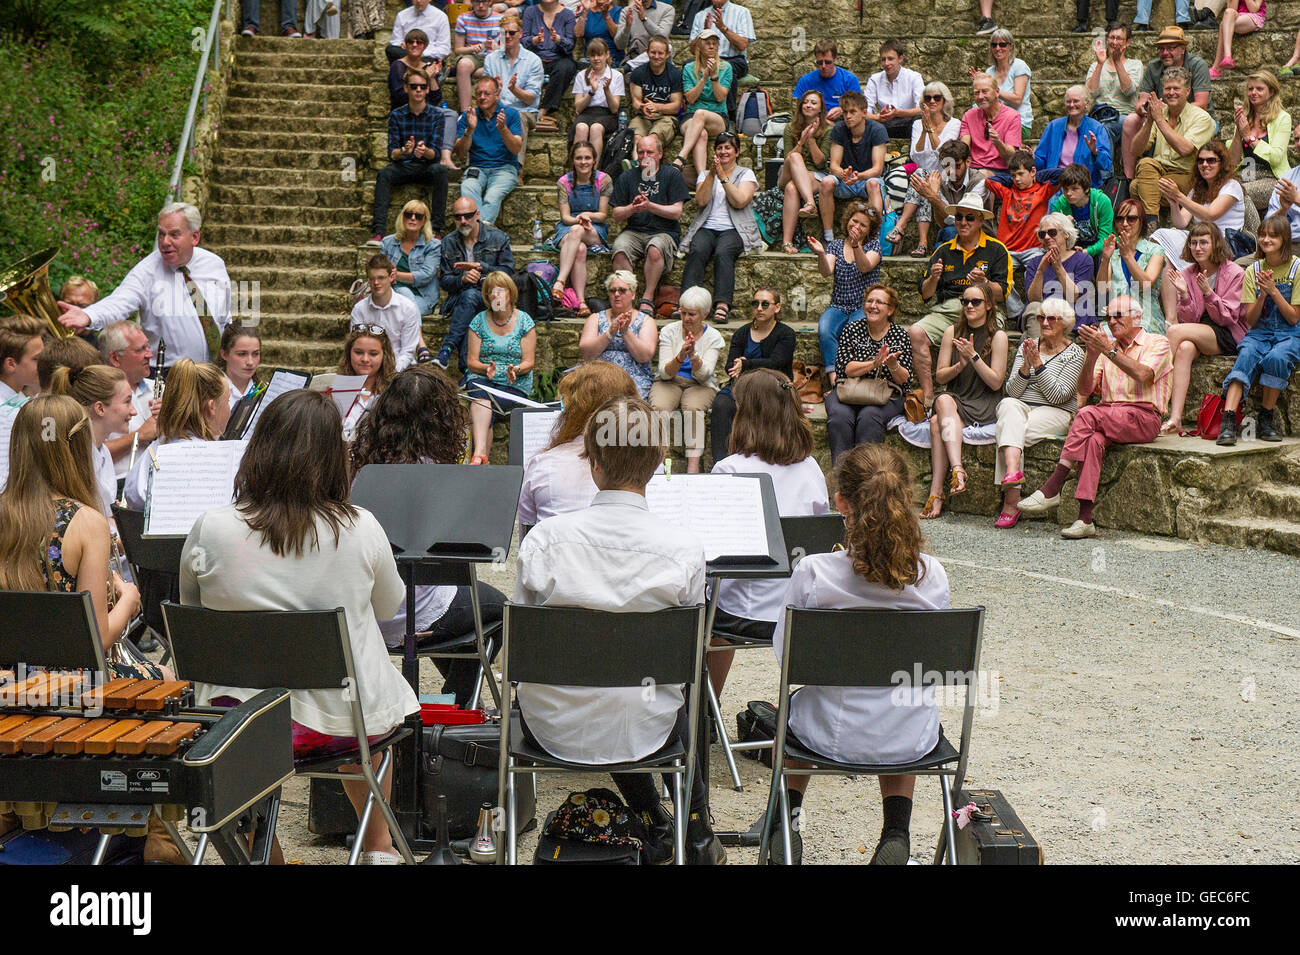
(1024, 202)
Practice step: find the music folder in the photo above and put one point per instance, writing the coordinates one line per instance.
(282, 380)
(530, 432)
(735, 514)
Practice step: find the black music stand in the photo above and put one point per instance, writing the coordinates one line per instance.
(442, 520)
(50, 629)
(516, 454)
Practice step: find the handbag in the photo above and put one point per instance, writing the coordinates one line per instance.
(1208, 419)
(914, 406)
(863, 391)
(666, 297)
(808, 382)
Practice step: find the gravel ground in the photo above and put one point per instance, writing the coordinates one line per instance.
(1141, 707)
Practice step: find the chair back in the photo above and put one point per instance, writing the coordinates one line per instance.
(294, 649)
(49, 629)
(158, 554)
(812, 534)
(570, 646)
(454, 10)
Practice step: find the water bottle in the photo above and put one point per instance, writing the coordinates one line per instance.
(537, 234)
(622, 118)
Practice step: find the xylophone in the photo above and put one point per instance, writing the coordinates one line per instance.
(76, 753)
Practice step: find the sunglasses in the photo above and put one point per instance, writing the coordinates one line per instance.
(966, 217)
(417, 216)
(372, 330)
(464, 215)
(998, 44)
(512, 32)
(1207, 160)
(934, 98)
(620, 291)
(759, 303)
(1047, 233)
(968, 302)
(417, 86)
(1131, 217)
(825, 62)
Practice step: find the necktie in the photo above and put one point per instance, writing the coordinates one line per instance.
(211, 334)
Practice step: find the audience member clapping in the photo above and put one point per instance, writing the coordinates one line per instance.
(419, 150)
(688, 356)
(706, 80)
(932, 129)
(858, 147)
(894, 94)
(1011, 75)
(491, 135)
(623, 335)
(1062, 271)
(1178, 128)
(656, 91)
(1074, 138)
(724, 227)
(520, 73)
(766, 342)
(1113, 82)
(641, 22)
(548, 32)
(1131, 265)
(853, 263)
(597, 92)
(807, 161)
(1215, 196)
(502, 352)
(582, 196)
(648, 200)
(1263, 129)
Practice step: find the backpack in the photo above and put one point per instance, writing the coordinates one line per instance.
(535, 294)
(620, 152)
(753, 111)
(767, 210)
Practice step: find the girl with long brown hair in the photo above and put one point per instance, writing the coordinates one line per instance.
(771, 435)
(366, 351)
(195, 407)
(103, 391)
(1216, 196)
(807, 160)
(882, 567)
(293, 541)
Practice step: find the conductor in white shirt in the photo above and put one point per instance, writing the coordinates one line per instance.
(164, 288)
(614, 555)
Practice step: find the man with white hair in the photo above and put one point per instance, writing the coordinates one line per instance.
(181, 291)
(124, 345)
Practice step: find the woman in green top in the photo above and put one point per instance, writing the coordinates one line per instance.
(502, 347)
(705, 83)
(807, 158)
(1261, 138)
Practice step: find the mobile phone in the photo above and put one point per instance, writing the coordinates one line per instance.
(471, 173)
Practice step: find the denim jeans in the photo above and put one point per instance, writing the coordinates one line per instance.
(828, 331)
(1182, 11)
(1270, 353)
(460, 310)
(425, 305)
(252, 12)
(489, 189)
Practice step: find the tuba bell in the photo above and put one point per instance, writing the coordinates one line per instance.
(25, 289)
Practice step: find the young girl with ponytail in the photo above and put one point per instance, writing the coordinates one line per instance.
(881, 567)
(103, 391)
(195, 407)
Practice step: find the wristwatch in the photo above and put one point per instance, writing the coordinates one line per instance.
(1111, 354)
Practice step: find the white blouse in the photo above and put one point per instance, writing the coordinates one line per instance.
(105, 477)
(853, 724)
(556, 481)
(227, 566)
(580, 87)
(928, 158)
(800, 491)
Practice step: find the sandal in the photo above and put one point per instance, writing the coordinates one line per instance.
(479, 459)
(789, 249)
(919, 252)
(720, 313)
(807, 209)
(952, 480)
(1006, 520)
(647, 306)
(557, 291)
(929, 502)
(894, 237)
(679, 163)
(1014, 479)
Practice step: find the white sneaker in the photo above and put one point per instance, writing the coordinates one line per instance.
(1036, 503)
(1078, 531)
(379, 858)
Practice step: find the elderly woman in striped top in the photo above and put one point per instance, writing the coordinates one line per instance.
(1042, 395)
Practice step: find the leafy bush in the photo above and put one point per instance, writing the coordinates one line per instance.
(91, 108)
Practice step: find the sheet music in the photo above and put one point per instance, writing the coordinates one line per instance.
(8, 411)
(192, 477)
(343, 389)
(537, 432)
(507, 396)
(281, 382)
(726, 510)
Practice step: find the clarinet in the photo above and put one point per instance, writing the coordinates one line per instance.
(157, 370)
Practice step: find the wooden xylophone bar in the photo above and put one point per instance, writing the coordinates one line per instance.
(74, 735)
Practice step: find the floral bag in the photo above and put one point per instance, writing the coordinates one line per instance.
(597, 815)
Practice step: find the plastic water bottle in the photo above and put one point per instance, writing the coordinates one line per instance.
(622, 119)
(537, 234)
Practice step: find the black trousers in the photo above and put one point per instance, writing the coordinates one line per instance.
(559, 80)
(1081, 8)
(721, 416)
(402, 173)
(720, 248)
(459, 619)
(847, 426)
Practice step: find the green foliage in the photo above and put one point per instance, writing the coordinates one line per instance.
(546, 384)
(92, 100)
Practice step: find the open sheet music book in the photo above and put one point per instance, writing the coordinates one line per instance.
(191, 477)
(726, 510)
(282, 380)
(537, 426)
(8, 411)
(343, 389)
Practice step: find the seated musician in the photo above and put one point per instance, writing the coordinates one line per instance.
(883, 567)
(613, 555)
(420, 419)
(558, 479)
(291, 541)
(195, 407)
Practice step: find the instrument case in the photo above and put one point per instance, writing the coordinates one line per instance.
(1000, 839)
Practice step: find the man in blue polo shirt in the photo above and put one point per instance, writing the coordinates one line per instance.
(491, 133)
(828, 79)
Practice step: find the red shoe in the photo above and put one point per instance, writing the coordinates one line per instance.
(1006, 520)
(479, 459)
(1014, 479)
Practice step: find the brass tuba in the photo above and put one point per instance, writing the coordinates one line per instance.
(25, 289)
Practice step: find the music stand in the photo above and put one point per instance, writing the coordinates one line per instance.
(50, 629)
(517, 426)
(242, 414)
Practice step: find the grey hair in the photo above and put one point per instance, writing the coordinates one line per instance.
(1063, 222)
(116, 337)
(1003, 36)
(1178, 73)
(1081, 91)
(1059, 308)
(942, 90)
(697, 299)
(193, 218)
(621, 275)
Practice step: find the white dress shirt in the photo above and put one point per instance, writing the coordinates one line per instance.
(105, 479)
(227, 566)
(6, 392)
(903, 92)
(735, 18)
(236, 396)
(613, 556)
(400, 318)
(158, 292)
(800, 491)
(852, 724)
(140, 399)
(556, 481)
(432, 21)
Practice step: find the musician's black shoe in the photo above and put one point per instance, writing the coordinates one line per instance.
(147, 643)
(658, 848)
(777, 851)
(1081, 28)
(702, 846)
(1265, 430)
(894, 848)
(1228, 429)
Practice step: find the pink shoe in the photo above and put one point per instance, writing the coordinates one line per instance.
(1227, 63)
(1214, 73)
(1007, 520)
(1014, 479)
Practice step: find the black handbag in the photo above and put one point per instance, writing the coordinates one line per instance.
(460, 762)
(756, 722)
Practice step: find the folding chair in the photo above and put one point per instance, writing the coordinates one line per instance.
(156, 565)
(569, 646)
(297, 650)
(871, 648)
(815, 534)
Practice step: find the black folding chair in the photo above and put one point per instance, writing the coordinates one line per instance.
(568, 646)
(155, 563)
(872, 648)
(812, 534)
(297, 650)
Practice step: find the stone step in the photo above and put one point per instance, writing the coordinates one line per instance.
(232, 235)
(1271, 499)
(271, 175)
(336, 163)
(282, 46)
(325, 127)
(293, 280)
(309, 97)
(301, 141)
(246, 214)
(306, 198)
(319, 54)
(304, 75)
(1263, 533)
(275, 107)
(307, 327)
(313, 356)
(278, 256)
(312, 301)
